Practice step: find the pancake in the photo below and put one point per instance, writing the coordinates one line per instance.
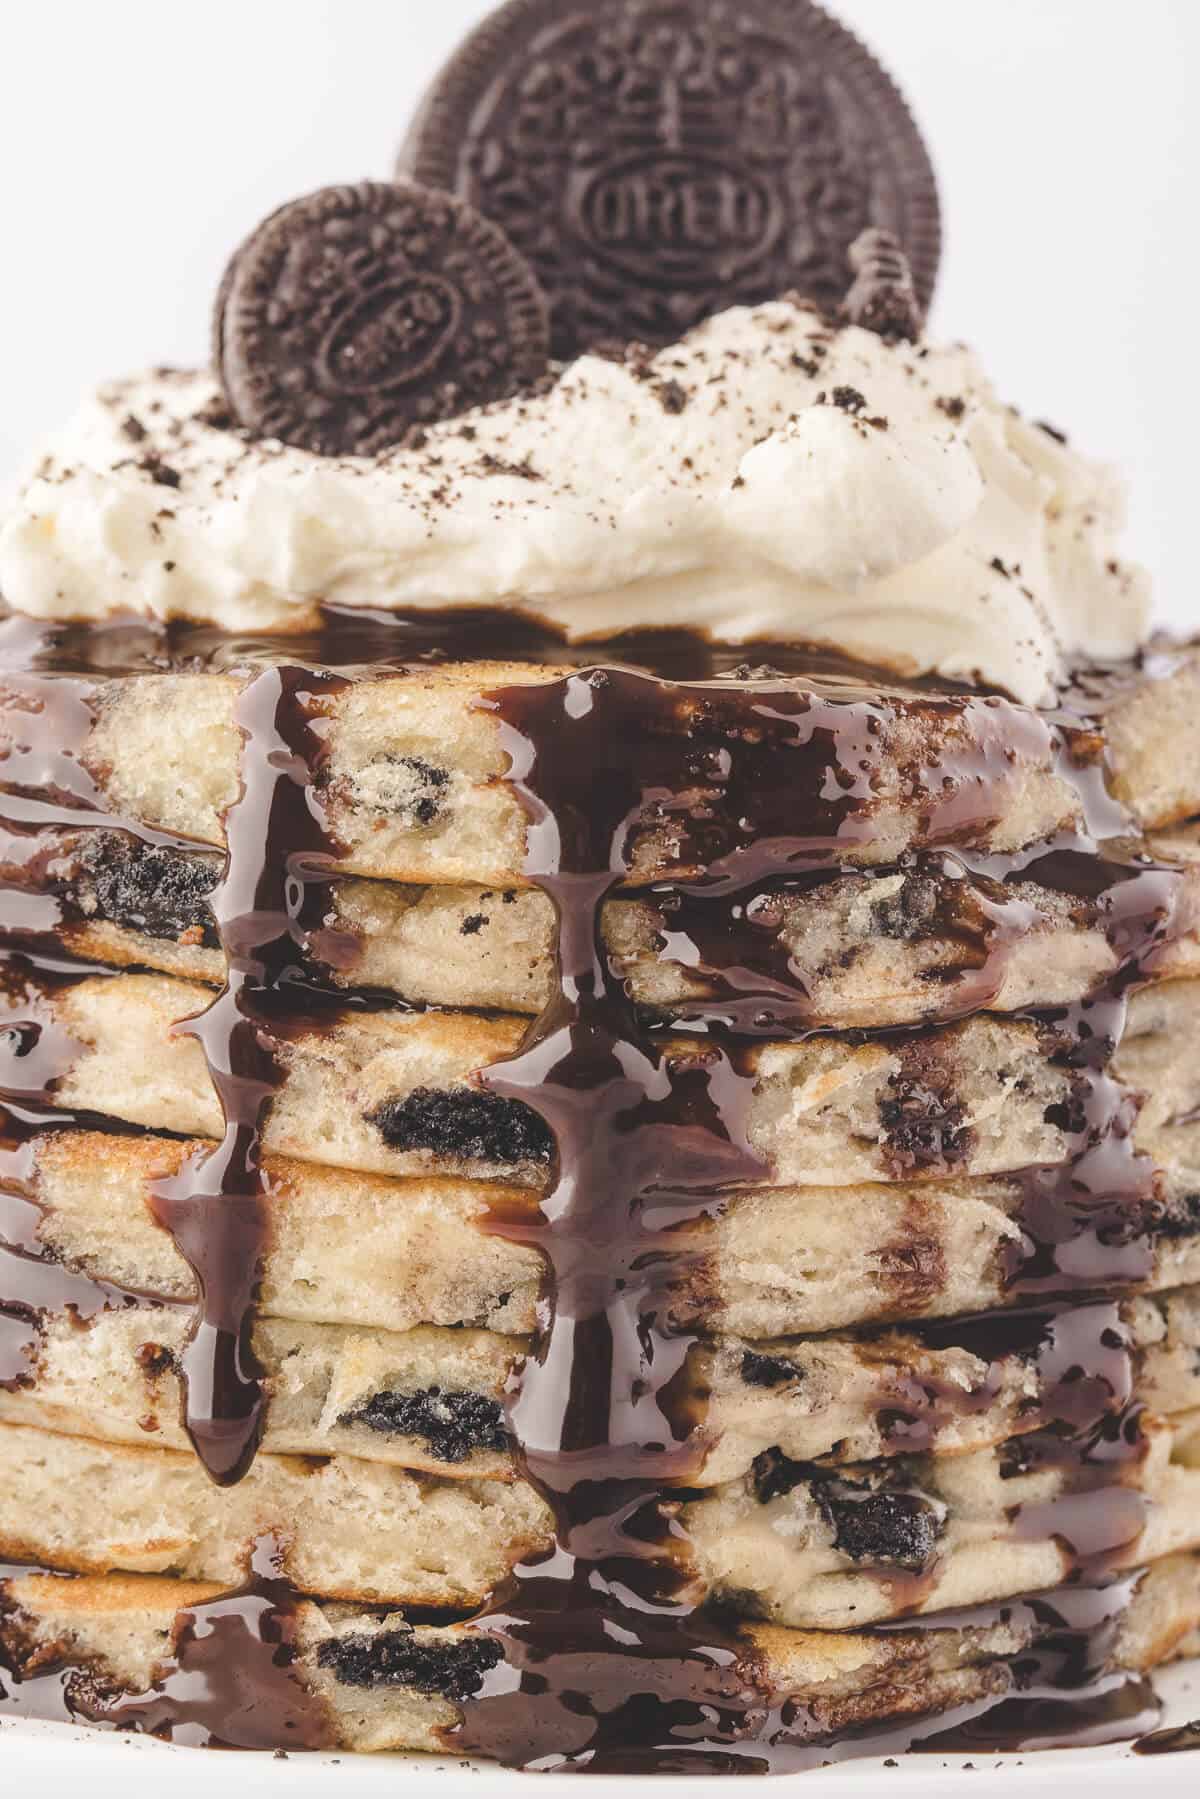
(341, 1248)
(433, 1399)
(963, 1386)
(393, 1093)
(828, 1549)
(915, 946)
(412, 761)
(377, 1683)
(813, 1259)
(361, 1250)
(833, 1550)
(355, 1529)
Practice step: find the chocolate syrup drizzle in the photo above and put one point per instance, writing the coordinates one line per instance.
(598, 1411)
(278, 859)
(613, 1658)
(278, 854)
(228, 1682)
(1183, 1738)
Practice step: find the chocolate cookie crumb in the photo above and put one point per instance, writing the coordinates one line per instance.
(467, 1124)
(160, 472)
(766, 1370)
(394, 1658)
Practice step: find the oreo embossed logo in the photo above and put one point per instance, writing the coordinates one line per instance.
(390, 336)
(676, 216)
(657, 160)
(358, 312)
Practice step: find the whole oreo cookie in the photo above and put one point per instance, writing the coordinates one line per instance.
(658, 160)
(357, 313)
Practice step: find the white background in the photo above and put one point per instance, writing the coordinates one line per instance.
(140, 140)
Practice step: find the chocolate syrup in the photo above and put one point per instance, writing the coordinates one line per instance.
(1066, 1694)
(266, 909)
(278, 855)
(227, 1681)
(613, 1660)
(1096, 1518)
(1183, 1738)
(1080, 1356)
(365, 642)
(599, 1412)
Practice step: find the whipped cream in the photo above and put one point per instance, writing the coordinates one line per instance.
(770, 477)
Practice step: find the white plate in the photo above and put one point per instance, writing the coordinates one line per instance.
(50, 1759)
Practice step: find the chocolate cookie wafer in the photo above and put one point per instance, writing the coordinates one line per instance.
(657, 164)
(356, 313)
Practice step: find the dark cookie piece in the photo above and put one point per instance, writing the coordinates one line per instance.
(883, 297)
(922, 1119)
(356, 313)
(452, 1424)
(468, 1124)
(160, 892)
(1174, 1219)
(914, 911)
(394, 1658)
(871, 1525)
(775, 1474)
(885, 1530)
(760, 1370)
(659, 162)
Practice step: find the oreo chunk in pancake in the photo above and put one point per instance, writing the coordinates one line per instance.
(357, 313)
(659, 162)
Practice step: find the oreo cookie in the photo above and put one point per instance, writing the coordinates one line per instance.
(357, 313)
(659, 160)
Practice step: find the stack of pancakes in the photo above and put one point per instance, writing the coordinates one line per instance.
(945, 1348)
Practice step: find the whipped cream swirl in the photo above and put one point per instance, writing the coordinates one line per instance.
(771, 477)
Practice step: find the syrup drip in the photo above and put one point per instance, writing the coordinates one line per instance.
(1184, 1738)
(1097, 1516)
(1080, 1355)
(228, 1681)
(278, 853)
